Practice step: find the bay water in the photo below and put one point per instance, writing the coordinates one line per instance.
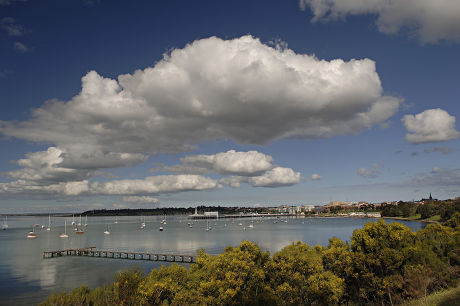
(26, 278)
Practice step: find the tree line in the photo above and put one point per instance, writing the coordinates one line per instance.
(385, 264)
(443, 209)
(174, 211)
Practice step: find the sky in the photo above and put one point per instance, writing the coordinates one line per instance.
(144, 104)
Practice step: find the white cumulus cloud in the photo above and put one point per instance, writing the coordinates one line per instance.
(231, 162)
(430, 20)
(432, 125)
(238, 89)
(276, 177)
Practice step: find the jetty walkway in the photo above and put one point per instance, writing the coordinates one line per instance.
(93, 252)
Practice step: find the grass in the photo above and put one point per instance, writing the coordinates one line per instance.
(414, 217)
(434, 218)
(449, 297)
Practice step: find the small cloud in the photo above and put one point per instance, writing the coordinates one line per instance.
(414, 154)
(436, 169)
(443, 150)
(20, 47)
(431, 125)
(276, 177)
(316, 177)
(9, 25)
(373, 172)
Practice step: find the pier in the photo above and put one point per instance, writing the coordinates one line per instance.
(93, 252)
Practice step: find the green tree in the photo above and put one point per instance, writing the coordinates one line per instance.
(298, 277)
(380, 252)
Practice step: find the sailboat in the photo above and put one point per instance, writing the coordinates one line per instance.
(31, 234)
(86, 220)
(64, 235)
(73, 220)
(107, 232)
(5, 223)
(49, 224)
(208, 228)
(79, 229)
(116, 219)
(143, 223)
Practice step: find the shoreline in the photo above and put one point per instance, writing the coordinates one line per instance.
(416, 220)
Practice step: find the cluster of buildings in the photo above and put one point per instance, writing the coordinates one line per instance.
(353, 209)
(292, 209)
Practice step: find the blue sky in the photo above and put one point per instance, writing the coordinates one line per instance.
(114, 104)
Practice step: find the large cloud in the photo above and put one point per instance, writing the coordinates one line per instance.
(431, 125)
(430, 20)
(237, 89)
(231, 162)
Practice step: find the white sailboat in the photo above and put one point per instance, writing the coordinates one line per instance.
(5, 223)
(49, 224)
(107, 232)
(116, 219)
(86, 220)
(79, 222)
(73, 219)
(143, 222)
(64, 235)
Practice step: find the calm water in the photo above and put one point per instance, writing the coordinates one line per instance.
(26, 278)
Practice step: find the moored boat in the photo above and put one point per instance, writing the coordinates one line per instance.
(31, 234)
(5, 223)
(64, 235)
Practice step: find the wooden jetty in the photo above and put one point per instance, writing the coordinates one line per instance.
(93, 252)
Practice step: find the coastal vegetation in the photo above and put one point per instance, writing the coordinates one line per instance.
(430, 210)
(381, 264)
